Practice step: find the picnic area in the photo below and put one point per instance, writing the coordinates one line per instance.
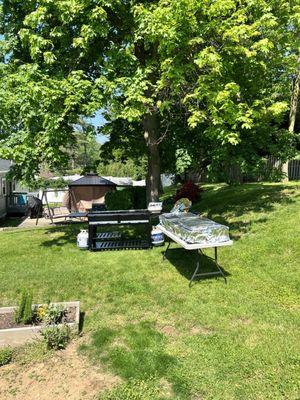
(147, 334)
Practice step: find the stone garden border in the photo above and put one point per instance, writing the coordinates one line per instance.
(19, 336)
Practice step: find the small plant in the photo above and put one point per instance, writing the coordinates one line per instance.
(5, 356)
(188, 190)
(35, 351)
(40, 312)
(53, 314)
(28, 314)
(23, 312)
(56, 337)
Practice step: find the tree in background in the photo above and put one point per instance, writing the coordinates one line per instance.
(293, 112)
(85, 152)
(224, 66)
(124, 154)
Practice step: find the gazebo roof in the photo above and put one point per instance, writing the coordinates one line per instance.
(92, 180)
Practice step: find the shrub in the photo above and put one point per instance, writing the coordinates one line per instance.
(139, 197)
(53, 314)
(23, 312)
(168, 204)
(56, 337)
(5, 356)
(119, 200)
(27, 315)
(189, 190)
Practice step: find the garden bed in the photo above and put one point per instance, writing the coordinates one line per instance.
(12, 333)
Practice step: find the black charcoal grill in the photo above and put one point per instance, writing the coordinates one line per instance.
(114, 240)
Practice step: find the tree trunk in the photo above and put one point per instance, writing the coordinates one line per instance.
(293, 116)
(151, 132)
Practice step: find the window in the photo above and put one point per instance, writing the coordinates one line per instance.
(3, 187)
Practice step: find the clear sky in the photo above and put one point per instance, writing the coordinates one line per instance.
(98, 121)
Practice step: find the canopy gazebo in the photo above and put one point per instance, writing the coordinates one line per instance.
(88, 190)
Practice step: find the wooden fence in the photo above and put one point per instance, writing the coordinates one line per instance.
(293, 167)
(273, 167)
(294, 170)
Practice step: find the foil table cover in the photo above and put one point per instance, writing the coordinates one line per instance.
(193, 228)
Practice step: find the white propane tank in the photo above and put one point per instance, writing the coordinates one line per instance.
(157, 237)
(83, 239)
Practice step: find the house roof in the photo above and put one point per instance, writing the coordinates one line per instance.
(5, 165)
(119, 181)
(92, 180)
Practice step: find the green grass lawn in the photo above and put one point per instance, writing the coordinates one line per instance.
(165, 340)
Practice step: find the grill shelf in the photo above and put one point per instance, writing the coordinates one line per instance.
(121, 244)
(108, 235)
(114, 240)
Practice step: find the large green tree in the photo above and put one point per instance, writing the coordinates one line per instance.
(224, 64)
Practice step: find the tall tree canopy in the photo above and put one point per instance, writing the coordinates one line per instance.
(221, 68)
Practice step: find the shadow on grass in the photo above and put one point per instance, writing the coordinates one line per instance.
(81, 321)
(236, 201)
(63, 235)
(134, 351)
(185, 263)
(11, 222)
(67, 233)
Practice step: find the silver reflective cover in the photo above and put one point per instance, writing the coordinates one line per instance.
(193, 228)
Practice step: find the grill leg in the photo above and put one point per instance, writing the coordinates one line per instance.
(92, 233)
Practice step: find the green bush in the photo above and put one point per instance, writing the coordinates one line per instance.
(5, 356)
(23, 312)
(27, 315)
(53, 314)
(126, 199)
(168, 204)
(139, 197)
(119, 200)
(56, 337)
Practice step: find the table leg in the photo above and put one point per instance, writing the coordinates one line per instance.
(218, 266)
(165, 252)
(198, 265)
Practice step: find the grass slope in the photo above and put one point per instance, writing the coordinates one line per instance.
(143, 323)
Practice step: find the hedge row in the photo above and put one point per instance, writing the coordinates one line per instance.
(126, 198)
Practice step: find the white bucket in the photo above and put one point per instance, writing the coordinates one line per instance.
(83, 239)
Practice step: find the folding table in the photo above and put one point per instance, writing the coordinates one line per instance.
(198, 247)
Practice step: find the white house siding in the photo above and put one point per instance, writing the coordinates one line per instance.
(4, 168)
(2, 197)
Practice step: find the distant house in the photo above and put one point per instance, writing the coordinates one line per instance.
(13, 197)
(6, 187)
